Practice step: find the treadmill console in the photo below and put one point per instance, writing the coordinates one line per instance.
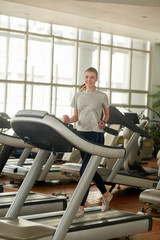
(133, 117)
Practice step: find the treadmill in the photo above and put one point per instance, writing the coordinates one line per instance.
(134, 178)
(17, 172)
(4, 121)
(46, 131)
(7, 150)
(70, 171)
(50, 171)
(151, 197)
(35, 202)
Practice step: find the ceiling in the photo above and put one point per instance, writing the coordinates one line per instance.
(132, 18)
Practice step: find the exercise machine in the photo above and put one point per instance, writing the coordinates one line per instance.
(19, 171)
(45, 131)
(135, 177)
(50, 171)
(151, 197)
(35, 202)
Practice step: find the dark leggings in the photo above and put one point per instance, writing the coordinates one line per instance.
(95, 137)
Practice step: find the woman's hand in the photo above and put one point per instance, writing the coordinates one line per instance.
(102, 124)
(66, 119)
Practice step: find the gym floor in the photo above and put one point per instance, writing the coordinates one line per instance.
(124, 198)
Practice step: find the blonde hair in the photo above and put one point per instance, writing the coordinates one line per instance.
(82, 88)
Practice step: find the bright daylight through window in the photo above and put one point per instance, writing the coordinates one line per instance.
(42, 66)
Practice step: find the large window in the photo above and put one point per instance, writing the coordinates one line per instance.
(12, 55)
(63, 98)
(39, 59)
(42, 65)
(140, 70)
(104, 71)
(120, 69)
(14, 98)
(119, 98)
(38, 97)
(64, 62)
(2, 97)
(87, 56)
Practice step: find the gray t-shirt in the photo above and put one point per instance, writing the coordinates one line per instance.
(89, 106)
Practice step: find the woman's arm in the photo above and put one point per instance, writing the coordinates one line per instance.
(102, 123)
(74, 118)
(106, 115)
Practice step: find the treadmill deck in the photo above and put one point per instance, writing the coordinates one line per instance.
(35, 203)
(89, 227)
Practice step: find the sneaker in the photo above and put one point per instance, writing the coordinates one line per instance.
(105, 202)
(79, 214)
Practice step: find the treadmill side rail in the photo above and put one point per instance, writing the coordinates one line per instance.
(103, 227)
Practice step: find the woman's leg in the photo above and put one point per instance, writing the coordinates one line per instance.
(85, 159)
(83, 167)
(97, 179)
(97, 138)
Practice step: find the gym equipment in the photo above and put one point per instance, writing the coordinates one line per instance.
(151, 197)
(35, 202)
(50, 171)
(46, 132)
(126, 176)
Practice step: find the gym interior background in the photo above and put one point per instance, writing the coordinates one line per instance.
(42, 65)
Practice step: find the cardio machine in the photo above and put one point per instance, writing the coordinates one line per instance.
(151, 197)
(125, 175)
(45, 131)
(35, 202)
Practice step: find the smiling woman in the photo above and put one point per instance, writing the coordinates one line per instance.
(88, 107)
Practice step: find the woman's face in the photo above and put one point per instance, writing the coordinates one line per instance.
(90, 79)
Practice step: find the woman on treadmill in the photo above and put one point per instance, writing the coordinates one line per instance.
(88, 105)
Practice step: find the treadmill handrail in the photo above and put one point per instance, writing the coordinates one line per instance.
(13, 141)
(77, 141)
